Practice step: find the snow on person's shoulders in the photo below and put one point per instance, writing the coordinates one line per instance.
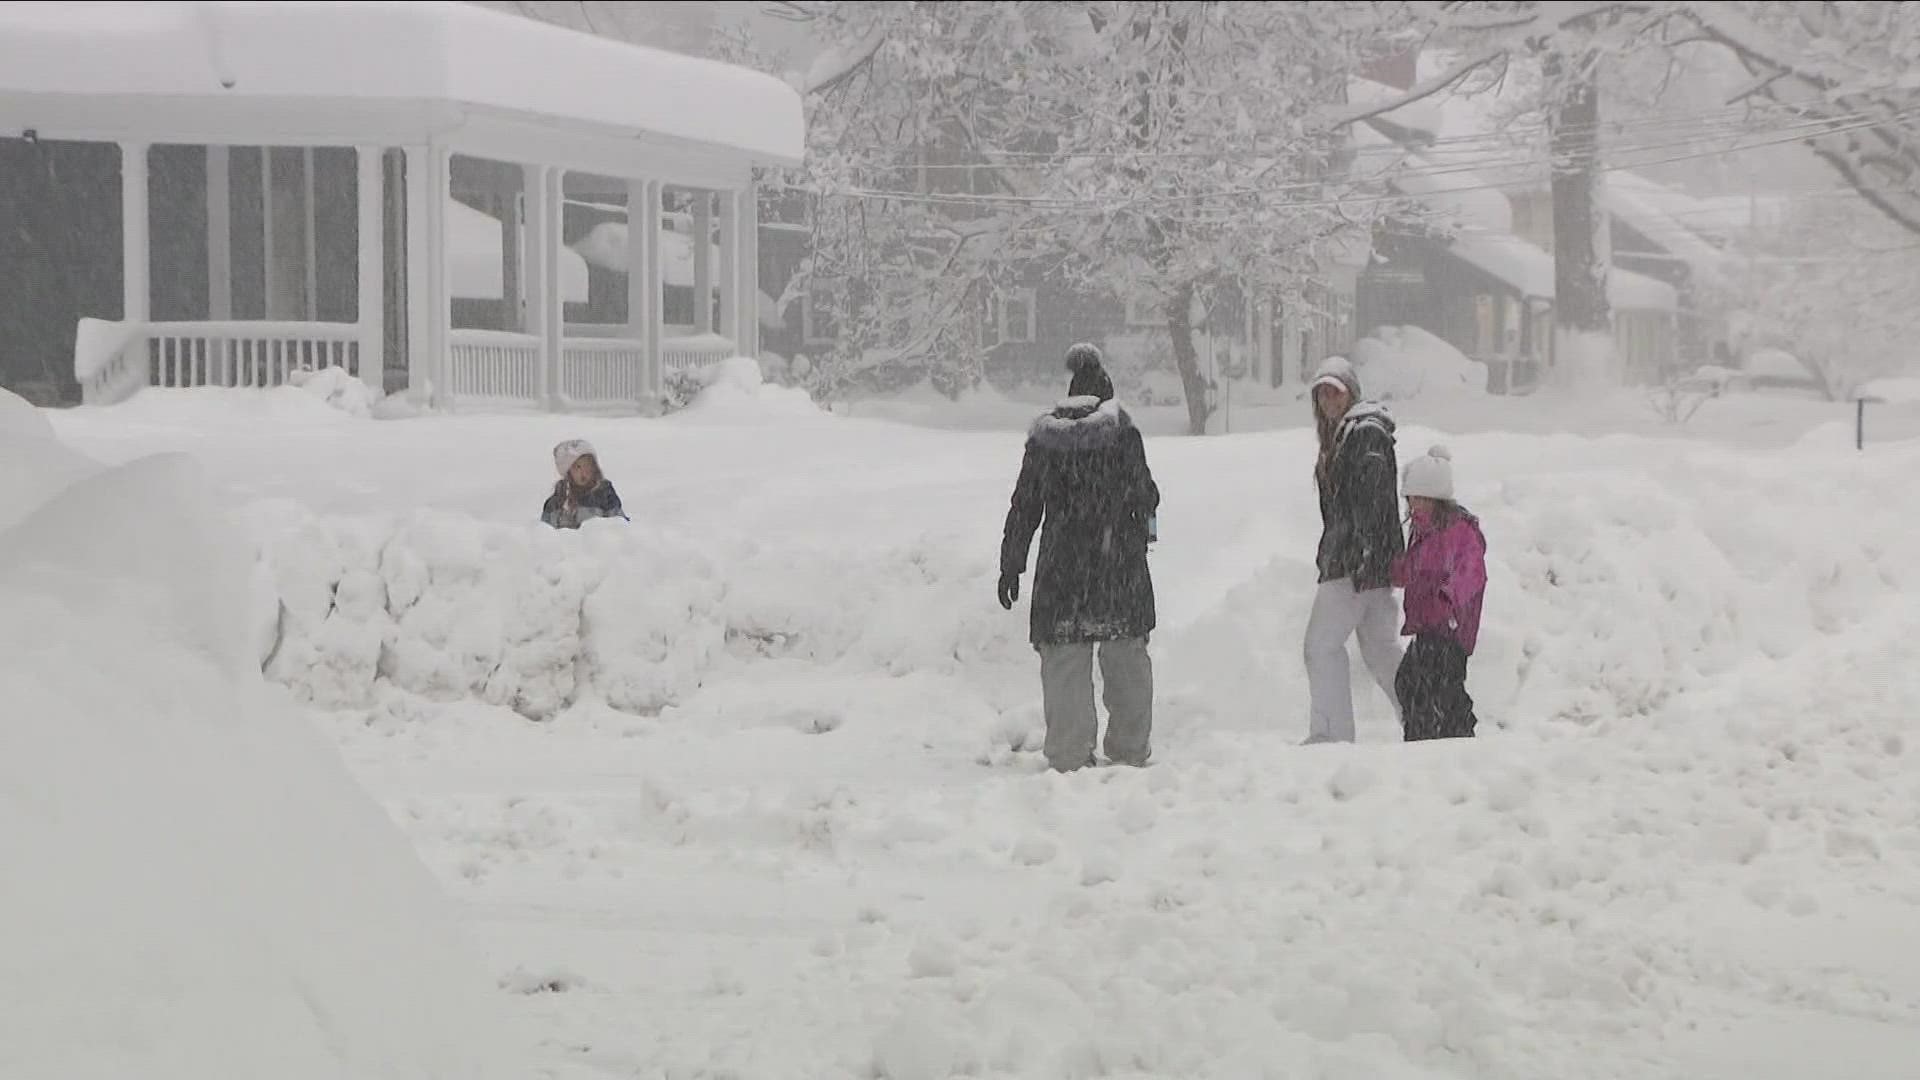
(1079, 417)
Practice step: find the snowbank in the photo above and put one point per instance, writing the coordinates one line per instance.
(1775, 366)
(632, 617)
(736, 392)
(33, 466)
(1892, 391)
(339, 389)
(982, 408)
(1400, 362)
(1617, 589)
(198, 888)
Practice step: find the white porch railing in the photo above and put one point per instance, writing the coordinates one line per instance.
(493, 364)
(115, 360)
(598, 372)
(189, 354)
(694, 353)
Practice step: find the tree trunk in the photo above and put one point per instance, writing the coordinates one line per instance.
(1186, 359)
(1582, 321)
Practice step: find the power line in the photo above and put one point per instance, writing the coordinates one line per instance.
(1080, 203)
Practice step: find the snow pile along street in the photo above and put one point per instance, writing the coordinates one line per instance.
(194, 887)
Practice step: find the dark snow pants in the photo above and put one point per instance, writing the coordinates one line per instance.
(1066, 676)
(1432, 686)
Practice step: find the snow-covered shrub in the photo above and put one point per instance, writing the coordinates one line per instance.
(678, 389)
(338, 388)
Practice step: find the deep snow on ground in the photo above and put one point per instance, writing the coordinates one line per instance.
(193, 885)
(783, 819)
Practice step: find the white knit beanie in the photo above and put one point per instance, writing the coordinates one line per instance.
(565, 454)
(1429, 477)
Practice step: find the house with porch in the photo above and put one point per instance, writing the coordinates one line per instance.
(394, 189)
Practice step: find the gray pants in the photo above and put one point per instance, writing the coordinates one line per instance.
(1066, 677)
(1340, 613)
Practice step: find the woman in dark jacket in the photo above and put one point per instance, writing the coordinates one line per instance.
(1360, 538)
(1085, 478)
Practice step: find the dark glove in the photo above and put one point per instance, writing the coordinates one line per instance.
(1009, 590)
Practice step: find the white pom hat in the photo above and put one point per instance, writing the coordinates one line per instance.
(565, 454)
(1429, 477)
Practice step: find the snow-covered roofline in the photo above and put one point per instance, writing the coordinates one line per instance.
(360, 54)
(1529, 270)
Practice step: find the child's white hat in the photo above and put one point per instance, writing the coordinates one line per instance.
(1429, 477)
(571, 451)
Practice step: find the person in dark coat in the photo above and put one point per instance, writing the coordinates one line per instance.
(1085, 485)
(583, 492)
(1356, 473)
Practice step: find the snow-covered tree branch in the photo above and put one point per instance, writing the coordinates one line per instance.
(1147, 152)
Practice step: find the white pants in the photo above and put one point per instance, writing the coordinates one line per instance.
(1340, 613)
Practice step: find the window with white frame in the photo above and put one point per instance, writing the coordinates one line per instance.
(1018, 320)
(819, 312)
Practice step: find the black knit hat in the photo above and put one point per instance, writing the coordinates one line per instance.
(1089, 377)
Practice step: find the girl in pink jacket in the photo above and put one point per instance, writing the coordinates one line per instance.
(1444, 575)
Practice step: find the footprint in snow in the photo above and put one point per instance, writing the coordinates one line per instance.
(815, 723)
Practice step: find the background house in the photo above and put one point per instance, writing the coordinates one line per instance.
(1477, 269)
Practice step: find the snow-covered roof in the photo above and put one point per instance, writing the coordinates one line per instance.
(357, 54)
(1419, 117)
(1456, 191)
(1529, 270)
(1669, 218)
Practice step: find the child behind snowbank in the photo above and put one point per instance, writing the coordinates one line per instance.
(583, 492)
(1444, 573)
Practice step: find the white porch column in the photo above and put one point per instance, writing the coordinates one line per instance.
(418, 291)
(219, 234)
(552, 294)
(220, 260)
(532, 244)
(749, 341)
(135, 291)
(649, 275)
(309, 236)
(372, 268)
(739, 272)
(429, 307)
(729, 325)
(643, 277)
(703, 263)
